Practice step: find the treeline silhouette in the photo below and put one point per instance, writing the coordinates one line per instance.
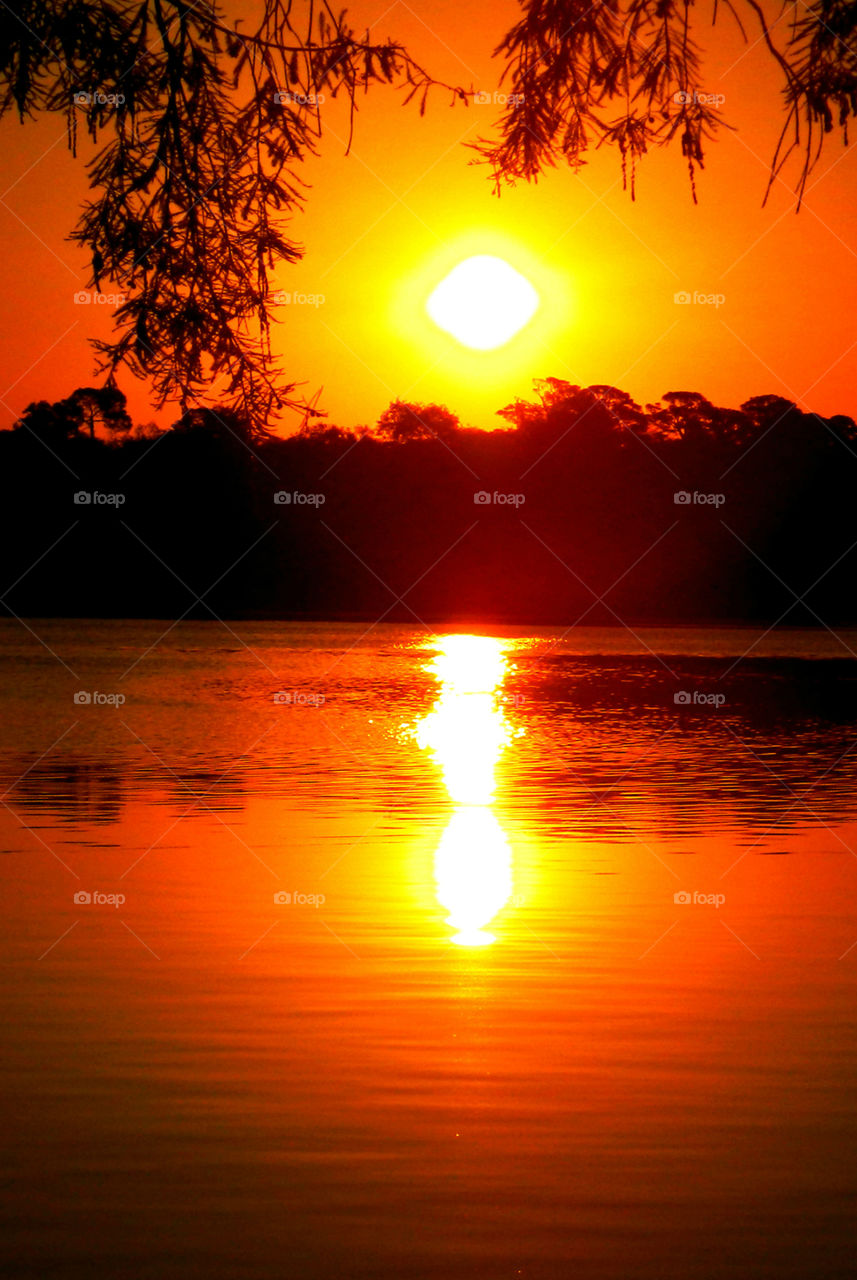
(583, 506)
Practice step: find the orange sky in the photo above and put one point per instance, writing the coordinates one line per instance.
(383, 225)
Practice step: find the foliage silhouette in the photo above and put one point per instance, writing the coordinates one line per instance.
(338, 523)
(86, 408)
(402, 421)
(201, 130)
(629, 74)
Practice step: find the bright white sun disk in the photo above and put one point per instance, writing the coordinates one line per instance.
(483, 302)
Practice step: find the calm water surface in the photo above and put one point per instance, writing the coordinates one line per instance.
(397, 954)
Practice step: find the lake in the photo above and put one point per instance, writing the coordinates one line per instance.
(389, 952)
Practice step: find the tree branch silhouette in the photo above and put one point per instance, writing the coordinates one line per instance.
(629, 74)
(201, 130)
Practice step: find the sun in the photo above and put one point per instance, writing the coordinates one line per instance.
(483, 302)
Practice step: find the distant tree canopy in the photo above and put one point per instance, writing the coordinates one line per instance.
(630, 74)
(562, 410)
(723, 514)
(585, 419)
(559, 404)
(84, 411)
(401, 421)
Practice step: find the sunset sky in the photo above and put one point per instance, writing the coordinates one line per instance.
(385, 224)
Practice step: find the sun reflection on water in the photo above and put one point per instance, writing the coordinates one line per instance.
(466, 732)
